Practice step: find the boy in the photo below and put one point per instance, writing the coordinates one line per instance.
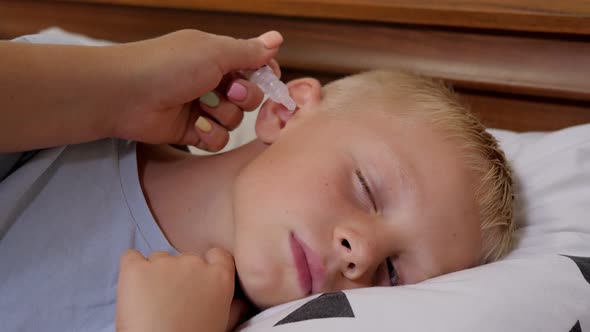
(378, 179)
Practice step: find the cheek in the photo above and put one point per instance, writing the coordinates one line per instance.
(262, 224)
(264, 264)
(270, 201)
(282, 189)
(257, 270)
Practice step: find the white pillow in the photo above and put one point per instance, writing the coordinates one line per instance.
(535, 288)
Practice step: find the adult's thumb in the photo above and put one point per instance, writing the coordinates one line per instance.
(240, 54)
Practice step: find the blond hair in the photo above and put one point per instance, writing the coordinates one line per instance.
(439, 104)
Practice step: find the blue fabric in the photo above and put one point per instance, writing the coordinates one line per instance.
(67, 215)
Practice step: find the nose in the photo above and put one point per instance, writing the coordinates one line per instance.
(357, 253)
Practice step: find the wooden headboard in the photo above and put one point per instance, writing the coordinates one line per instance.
(520, 64)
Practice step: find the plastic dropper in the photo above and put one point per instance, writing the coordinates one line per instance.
(276, 90)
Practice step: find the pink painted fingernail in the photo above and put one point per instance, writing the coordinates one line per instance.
(237, 92)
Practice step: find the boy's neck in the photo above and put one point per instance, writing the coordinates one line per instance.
(191, 196)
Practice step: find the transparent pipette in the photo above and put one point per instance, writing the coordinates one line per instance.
(276, 90)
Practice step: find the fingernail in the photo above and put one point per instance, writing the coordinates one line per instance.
(271, 39)
(210, 99)
(237, 92)
(203, 124)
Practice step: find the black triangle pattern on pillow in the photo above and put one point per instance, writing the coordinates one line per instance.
(328, 305)
(576, 327)
(583, 264)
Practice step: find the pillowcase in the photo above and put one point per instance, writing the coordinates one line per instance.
(542, 285)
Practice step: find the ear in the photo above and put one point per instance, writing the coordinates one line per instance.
(273, 117)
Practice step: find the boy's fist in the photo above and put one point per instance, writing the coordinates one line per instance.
(175, 293)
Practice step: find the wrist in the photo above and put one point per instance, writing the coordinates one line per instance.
(125, 91)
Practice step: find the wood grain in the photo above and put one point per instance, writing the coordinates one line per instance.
(525, 114)
(518, 64)
(571, 16)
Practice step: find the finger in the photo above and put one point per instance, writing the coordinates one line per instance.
(222, 265)
(212, 136)
(271, 39)
(227, 114)
(245, 94)
(274, 65)
(158, 255)
(235, 54)
(195, 260)
(131, 256)
(189, 254)
(190, 135)
(218, 256)
(202, 146)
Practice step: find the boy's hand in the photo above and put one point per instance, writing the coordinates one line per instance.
(175, 293)
(172, 73)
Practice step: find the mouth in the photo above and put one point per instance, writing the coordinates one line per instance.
(310, 272)
(300, 260)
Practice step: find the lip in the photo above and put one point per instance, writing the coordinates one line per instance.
(310, 272)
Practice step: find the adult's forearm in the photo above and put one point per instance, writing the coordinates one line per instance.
(53, 95)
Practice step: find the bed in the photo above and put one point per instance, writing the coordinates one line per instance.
(523, 66)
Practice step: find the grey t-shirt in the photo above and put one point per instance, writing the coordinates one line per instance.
(67, 215)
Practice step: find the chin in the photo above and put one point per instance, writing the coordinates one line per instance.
(265, 287)
(264, 301)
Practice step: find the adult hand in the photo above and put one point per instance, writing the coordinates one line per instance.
(175, 293)
(190, 91)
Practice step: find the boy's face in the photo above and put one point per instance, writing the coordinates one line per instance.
(326, 204)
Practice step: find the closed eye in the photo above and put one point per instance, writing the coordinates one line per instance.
(366, 189)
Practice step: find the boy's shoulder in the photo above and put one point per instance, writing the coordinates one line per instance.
(25, 176)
